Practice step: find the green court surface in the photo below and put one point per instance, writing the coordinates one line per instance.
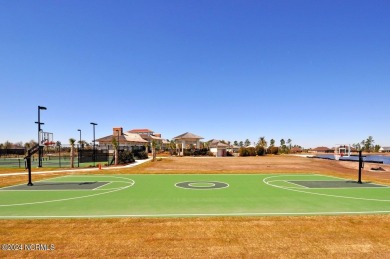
(192, 195)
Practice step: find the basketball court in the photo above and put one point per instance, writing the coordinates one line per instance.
(183, 195)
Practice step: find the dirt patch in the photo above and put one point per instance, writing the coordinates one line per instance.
(227, 237)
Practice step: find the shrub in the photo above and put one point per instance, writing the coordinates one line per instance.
(196, 152)
(247, 151)
(260, 151)
(252, 151)
(273, 150)
(243, 152)
(209, 153)
(126, 157)
(141, 154)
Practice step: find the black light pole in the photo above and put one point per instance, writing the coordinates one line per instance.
(39, 131)
(79, 155)
(94, 155)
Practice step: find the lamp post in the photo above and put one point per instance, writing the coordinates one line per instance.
(39, 131)
(79, 154)
(94, 155)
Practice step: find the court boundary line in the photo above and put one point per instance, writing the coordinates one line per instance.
(319, 194)
(207, 214)
(210, 214)
(74, 198)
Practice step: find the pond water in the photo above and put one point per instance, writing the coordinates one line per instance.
(366, 158)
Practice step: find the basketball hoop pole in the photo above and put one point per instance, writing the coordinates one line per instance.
(31, 152)
(29, 171)
(360, 166)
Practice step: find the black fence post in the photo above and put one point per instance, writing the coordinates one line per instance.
(360, 166)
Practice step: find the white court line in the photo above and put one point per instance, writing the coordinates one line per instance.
(131, 184)
(94, 189)
(319, 194)
(206, 214)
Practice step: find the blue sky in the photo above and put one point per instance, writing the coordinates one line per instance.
(317, 72)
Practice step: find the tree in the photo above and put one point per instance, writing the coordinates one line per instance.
(272, 143)
(172, 147)
(7, 145)
(357, 146)
(369, 144)
(289, 143)
(71, 142)
(247, 143)
(235, 143)
(376, 148)
(262, 142)
(241, 144)
(154, 144)
(116, 151)
(82, 143)
(27, 145)
(283, 145)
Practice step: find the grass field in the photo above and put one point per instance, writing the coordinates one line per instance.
(285, 207)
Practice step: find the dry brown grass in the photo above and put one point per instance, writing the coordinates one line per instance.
(366, 236)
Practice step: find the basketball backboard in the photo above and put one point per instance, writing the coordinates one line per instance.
(342, 150)
(45, 139)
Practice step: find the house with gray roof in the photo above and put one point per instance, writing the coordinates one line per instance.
(186, 140)
(384, 149)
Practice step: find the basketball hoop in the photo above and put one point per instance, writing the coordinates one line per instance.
(342, 151)
(46, 139)
(49, 143)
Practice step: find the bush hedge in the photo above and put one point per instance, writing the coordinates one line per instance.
(126, 157)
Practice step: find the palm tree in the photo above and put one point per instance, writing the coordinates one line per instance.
(369, 144)
(289, 143)
(283, 145)
(262, 142)
(172, 146)
(116, 151)
(71, 142)
(154, 144)
(27, 146)
(206, 145)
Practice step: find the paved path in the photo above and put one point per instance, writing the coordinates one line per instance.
(136, 163)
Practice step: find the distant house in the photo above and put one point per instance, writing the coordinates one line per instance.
(186, 140)
(129, 141)
(233, 149)
(322, 150)
(217, 147)
(149, 136)
(296, 150)
(384, 149)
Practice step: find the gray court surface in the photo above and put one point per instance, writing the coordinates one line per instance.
(335, 184)
(54, 186)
